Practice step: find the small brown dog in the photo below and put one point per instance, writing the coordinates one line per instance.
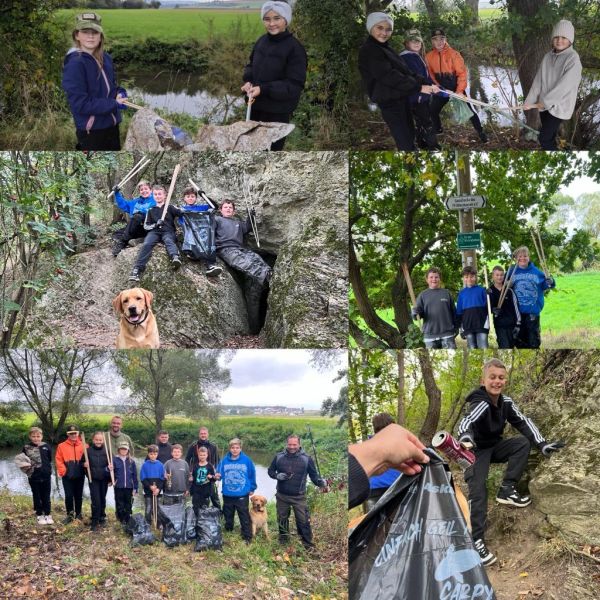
(137, 327)
(258, 515)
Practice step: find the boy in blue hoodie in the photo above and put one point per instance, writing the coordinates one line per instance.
(126, 482)
(471, 311)
(529, 285)
(238, 475)
(136, 208)
(152, 476)
(89, 82)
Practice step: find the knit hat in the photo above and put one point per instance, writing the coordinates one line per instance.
(378, 17)
(89, 21)
(283, 9)
(564, 29)
(438, 32)
(413, 35)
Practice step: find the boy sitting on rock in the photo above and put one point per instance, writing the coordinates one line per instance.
(136, 208)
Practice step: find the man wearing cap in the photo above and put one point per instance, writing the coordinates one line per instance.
(116, 436)
(136, 208)
(69, 460)
(447, 68)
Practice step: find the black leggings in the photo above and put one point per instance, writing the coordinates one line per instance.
(549, 130)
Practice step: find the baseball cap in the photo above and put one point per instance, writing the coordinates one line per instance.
(89, 21)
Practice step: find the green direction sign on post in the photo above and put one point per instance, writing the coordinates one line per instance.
(469, 241)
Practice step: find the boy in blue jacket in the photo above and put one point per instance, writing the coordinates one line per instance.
(126, 482)
(471, 311)
(529, 285)
(136, 208)
(152, 475)
(237, 472)
(89, 82)
(419, 103)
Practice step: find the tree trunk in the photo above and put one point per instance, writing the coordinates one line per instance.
(400, 411)
(432, 11)
(474, 6)
(433, 394)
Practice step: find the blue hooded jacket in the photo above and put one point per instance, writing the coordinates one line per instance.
(125, 473)
(529, 285)
(91, 91)
(417, 65)
(135, 205)
(238, 476)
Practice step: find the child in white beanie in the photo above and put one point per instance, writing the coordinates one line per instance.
(275, 76)
(554, 88)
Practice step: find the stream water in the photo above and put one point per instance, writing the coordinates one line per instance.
(15, 482)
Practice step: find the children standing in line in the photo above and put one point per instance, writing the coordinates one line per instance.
(276, 73)
(161, 230)
(436, 307)
(38, 468)
(69, 460)
(152, 476)
(554, 88)
(388, 80)
(90, 84)
(100, 469)
(126, 482)
(507, 318)
(471, 311)
(202, 480)
(177, 475)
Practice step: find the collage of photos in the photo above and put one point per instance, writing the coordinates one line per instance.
(299, 299)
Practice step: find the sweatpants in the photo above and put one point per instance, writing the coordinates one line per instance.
(40, 490)
(514, 451)
(285, 504)
(214, 496)
(399, 119)
(201, 497)
(437, 105)
(153, 237)
(231, 505)
(134, 228)
(529, 333)
(98, 489)
(73, 495)
(269, 117)
(123, 503)
(505, 337)
(98, 139)
(549, 130)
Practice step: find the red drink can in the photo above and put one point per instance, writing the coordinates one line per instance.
(450, 447)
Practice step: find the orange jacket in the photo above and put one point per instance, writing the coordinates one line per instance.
(447, 68)
(68, 451)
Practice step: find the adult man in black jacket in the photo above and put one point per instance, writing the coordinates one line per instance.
(290, 468)
(481, 430)
(191, 457)
(164, 447)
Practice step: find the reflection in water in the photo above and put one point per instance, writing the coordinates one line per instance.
(15, 482)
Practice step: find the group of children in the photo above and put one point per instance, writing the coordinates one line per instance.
(411, 88)
(273, 78)
(516, 318)
(168, 479)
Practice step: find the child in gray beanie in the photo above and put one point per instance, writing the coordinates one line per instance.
(275, 76)
(554, 88)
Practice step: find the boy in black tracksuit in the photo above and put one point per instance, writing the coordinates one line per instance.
(191, 457)
(203, 476)
(481, 430)
(507, 318)
(276, 73)
(162, 230)
(98, 462)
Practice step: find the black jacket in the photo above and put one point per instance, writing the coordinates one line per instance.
(298, 465)
(44, 470)
(278, 65)
(164, 452)
(385, 74)
(155, 214)
(191, 456)
(510, 315)
(98, 463)
(485, 422)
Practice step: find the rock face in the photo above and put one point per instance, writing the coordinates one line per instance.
(301, 212)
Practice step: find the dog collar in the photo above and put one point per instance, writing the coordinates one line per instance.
(139, 322)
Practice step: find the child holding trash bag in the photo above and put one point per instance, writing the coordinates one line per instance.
(100, 469)
(471, 311)
(388, 80)
(481, 431)
(505, 308)
(152, 476)
(447, 68)
(276, 73)
(35, 461)
(90, 85)
(136, 208)
(554, 88)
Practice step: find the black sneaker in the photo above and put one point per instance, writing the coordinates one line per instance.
(175, 262)
(213, 270)
(117, 247)
(482, 136)
(68, 519)
(135, 274)
(94, 527)
(487, 558)
(509, 495)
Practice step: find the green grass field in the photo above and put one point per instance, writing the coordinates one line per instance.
(173, 25)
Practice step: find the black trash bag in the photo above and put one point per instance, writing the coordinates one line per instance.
(208, 530)
(172, 518)
(138, 528)
(190, 524)
(199, 235)
(414, 543)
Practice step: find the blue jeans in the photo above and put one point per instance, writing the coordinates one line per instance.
(477, 340)
(444, 343)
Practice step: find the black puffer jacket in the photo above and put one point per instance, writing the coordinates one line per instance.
(98, 463)
(385, 74)
(278, 65)
(296, 466)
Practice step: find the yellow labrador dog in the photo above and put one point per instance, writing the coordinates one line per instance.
(137, 327)
(258, 515)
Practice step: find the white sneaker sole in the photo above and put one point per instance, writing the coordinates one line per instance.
(489, 562)
(511, 503)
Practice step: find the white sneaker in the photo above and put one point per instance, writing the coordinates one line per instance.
(41, 520)
(49, 520)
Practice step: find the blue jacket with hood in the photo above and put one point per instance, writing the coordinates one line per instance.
(135, 205)
(238, 476)
(414, 61)
(91, 91)
(529, 285)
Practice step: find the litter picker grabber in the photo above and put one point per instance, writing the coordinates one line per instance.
(167, 201)
(249, 208)
(204, 196)
(109, 456)
(314, 448)
(506, 284)
(139, 166)
(411, 291)
(249, 107)
(487, 296)
(539, 248)
(155, 511)
(132, 105)
(85, 454)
